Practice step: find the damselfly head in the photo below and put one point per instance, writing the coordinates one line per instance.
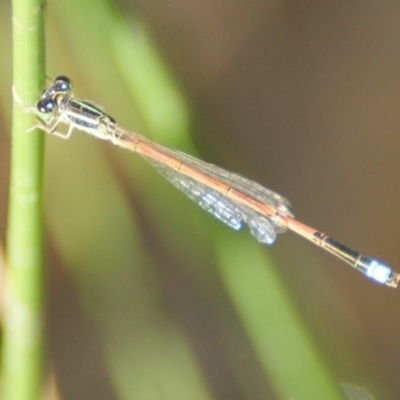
(61, 85)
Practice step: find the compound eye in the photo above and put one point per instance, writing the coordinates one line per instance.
(46, 106)
(63, 83)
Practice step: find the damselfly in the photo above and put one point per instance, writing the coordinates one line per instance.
(230, 197)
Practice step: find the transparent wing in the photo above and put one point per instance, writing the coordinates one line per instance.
(225, 209)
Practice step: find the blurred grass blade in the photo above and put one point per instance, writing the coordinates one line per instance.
(161, 104)
(284, 348)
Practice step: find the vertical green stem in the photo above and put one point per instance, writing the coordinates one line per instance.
(22, 351)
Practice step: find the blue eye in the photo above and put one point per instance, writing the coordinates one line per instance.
(46, 106)
(64, 83)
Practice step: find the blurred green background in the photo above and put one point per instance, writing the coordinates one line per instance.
(149, 297)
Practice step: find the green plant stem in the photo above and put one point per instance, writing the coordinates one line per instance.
(22, 352)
